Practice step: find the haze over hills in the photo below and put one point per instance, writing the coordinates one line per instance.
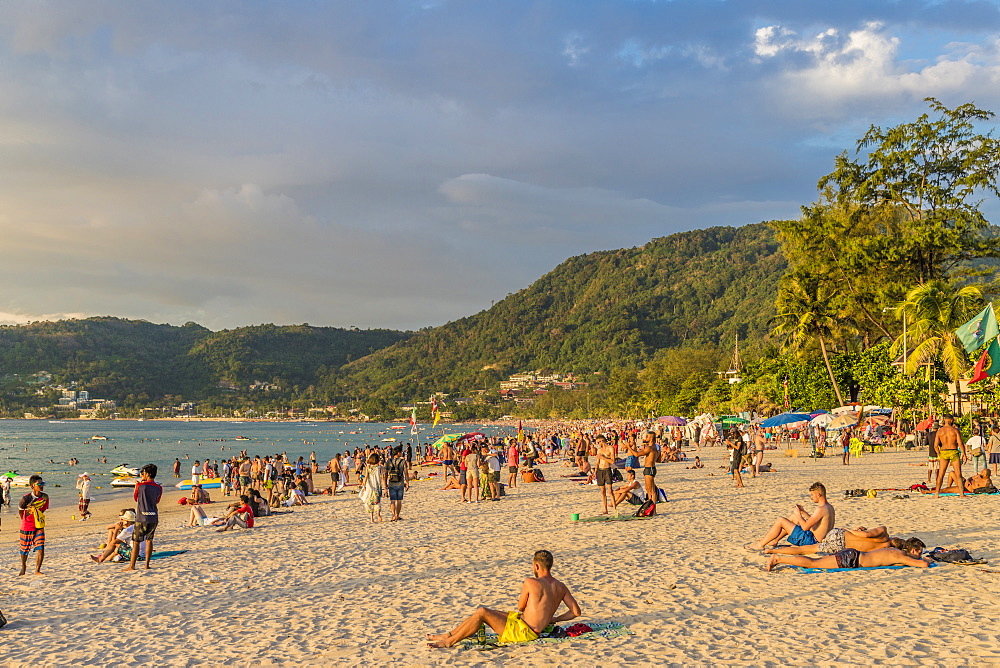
(592, 313)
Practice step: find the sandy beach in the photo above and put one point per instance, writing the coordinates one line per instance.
(322, 586)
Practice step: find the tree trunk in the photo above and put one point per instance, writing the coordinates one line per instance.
(829, 370)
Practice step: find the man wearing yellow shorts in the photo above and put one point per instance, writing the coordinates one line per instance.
(541, 596)
(947, 444)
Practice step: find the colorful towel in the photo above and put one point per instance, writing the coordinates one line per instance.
(802, 569)
(601, 630)
(614, 518)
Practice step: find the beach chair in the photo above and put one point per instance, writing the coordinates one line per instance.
(856, 446)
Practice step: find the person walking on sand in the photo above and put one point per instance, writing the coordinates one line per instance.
(31, 510)
(947, 444)
(146, 495)
(83, 485)
(605, 460)
(371, 489)
(397, 476)
(540, 597)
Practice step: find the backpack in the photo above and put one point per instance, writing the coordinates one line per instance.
(616, 476)
(395, 470)
(647, 509)
(538, 475)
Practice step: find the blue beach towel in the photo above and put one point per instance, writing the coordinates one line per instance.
(803, 569)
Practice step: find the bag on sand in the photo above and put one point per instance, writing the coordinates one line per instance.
(647, 509)
(538, 476)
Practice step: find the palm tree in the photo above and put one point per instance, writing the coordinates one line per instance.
(806, 316)
(934, 310)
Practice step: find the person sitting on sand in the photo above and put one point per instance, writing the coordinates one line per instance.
(860, 539)
(851, 558)
(198, 495)
(800, 527)
(241, 516)
(540, 597)
(697, 464)
(452, 484)
(116, 528)
(632, 490)
(123, 537)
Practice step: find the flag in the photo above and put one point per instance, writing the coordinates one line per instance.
(988, 364)
(975, 333)
(435, 413)
(520, 432)
(413, 421)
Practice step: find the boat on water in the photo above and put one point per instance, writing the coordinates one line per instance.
(242, 438)
(388, 440)
(125, 471)
(98, 438)
(124, 481)
(206, 483)
(17, 480)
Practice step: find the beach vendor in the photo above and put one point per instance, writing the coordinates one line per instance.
(31, 510)
(541, 596)
(83, 486)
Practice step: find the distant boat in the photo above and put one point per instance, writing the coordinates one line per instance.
(242, 438)
(388, 440)
(98, 438)
(57, 422)
(124, 482)
(124, 470)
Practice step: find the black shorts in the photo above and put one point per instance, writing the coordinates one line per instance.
(603, 477)
(143, 531)
(581, 453)
(512, 469)
(650, 471)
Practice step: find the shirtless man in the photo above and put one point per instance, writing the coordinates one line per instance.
(851, 558)
(800, 527)
(541, 596)
(605, 460)
(448, 460)
(647, 451)
(860, 539)
(335, 467)
(947, 445)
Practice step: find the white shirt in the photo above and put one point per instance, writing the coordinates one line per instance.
(125, 535)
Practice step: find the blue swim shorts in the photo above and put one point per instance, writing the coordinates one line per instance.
(801, 536)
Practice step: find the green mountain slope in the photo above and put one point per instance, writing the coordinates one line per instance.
(594, 312)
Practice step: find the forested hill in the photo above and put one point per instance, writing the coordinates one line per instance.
(593, 312)
(115, 358)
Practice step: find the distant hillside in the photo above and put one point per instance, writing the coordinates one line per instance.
(593, 312)
(115, 358)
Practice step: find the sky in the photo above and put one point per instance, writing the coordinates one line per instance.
(406, 163)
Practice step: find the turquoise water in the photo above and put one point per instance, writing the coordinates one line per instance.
(27, 446)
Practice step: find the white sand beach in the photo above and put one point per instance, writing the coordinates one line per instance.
(322, 586)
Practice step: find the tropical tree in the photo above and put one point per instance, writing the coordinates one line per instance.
(934, 310)
(806, 317)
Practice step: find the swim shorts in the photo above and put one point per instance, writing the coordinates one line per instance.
(516, 630)
(631, 462)
(448, 462)
(650, 471)
(951, 455)
(603, 477)
(512, 469)
(848, 558)
(801, 536)
(143, 531)
(396, 492)
(31, 541)
(833, 543)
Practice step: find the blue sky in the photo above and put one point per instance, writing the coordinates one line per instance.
(402, 164)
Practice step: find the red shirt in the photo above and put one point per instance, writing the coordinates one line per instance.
(249, 511)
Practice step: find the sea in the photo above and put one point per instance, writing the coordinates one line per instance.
(39, 446)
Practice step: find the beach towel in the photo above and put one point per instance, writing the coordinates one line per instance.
(615, 518)
(490, 640)
(803, 569)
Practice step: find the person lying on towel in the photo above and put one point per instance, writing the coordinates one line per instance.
(541, 596)
(851, 558)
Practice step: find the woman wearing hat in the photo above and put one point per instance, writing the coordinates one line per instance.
(123, 538)
(83, 484)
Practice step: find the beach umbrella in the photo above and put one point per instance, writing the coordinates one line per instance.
(925, 424)
(785, 419)
(877, 420)
(822, 419)
(819, 412)
(472, 436)
(843, 420)
(845, 409)
(731, 419)
(447, 438)
(672, 421)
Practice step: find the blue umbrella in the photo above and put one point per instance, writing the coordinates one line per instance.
(785, 418)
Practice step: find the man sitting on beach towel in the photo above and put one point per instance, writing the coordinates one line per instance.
(851, 558)
(800, 527)
(631, 490)
(541, 596)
